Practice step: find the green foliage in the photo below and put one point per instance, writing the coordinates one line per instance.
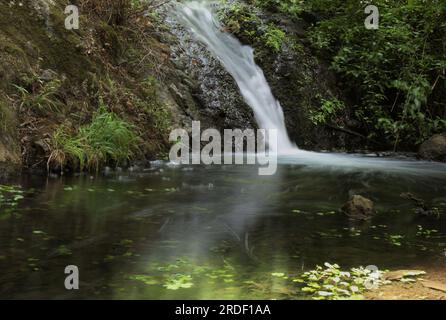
(426, 233)
(274, 37)
(330, 283)
(155, 110)
(395, 239)
(147, 280)
(43, 96)
(329, 109)
(397, 70)
(179, 281)
(63, 251)
(106, 138)
(139, 4)
(291, 7)
(237, 15)
(182, 273)
(242, 21)
(147, 107)
(396, 74)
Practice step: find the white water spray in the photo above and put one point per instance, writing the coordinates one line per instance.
(238, 60)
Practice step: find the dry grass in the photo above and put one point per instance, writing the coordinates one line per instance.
(115, 12)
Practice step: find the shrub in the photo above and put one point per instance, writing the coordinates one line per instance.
(397, 71)
(395, 76)
(329, 109)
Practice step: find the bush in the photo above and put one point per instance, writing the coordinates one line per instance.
(397, 71)
(396, 75)
(329, 109)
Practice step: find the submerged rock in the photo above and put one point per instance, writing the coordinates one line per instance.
(359, 208)
(434, 148)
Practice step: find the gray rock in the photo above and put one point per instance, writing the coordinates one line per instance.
(48, 75)
(434, 148)
(359, 208)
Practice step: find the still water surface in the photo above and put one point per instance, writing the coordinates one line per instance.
(176, 232)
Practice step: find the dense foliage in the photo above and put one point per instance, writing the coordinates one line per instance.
(395, 75)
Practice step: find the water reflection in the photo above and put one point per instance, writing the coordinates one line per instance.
(209, 232)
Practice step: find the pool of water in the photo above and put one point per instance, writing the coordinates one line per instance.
(214, 232)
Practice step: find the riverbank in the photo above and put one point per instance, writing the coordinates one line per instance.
(432, 286)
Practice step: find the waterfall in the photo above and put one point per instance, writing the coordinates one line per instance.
(238, 60)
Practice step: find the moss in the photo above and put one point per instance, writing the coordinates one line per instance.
(29, 41)
(111, 40)
(274, 38)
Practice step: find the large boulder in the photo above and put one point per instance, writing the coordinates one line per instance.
(359, 208)
(434, 148)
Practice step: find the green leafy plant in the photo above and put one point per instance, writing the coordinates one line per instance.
(292, 8)
(182, 273)
(331, 283)
(396, 240)
(274, 37)
(106, 138)
(426, 233)
(179, 281)
(396, 71)
(327, 112)
(395, 76)
(42, 98)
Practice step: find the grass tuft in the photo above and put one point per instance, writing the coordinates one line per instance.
(106, 139)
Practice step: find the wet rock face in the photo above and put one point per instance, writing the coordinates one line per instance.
(359, 208)
(296, 80)
(434, 148)
(207, 92)
(299, 80)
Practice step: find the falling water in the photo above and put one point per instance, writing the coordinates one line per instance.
(238, 60)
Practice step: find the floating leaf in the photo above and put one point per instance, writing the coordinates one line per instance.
(278, 274)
